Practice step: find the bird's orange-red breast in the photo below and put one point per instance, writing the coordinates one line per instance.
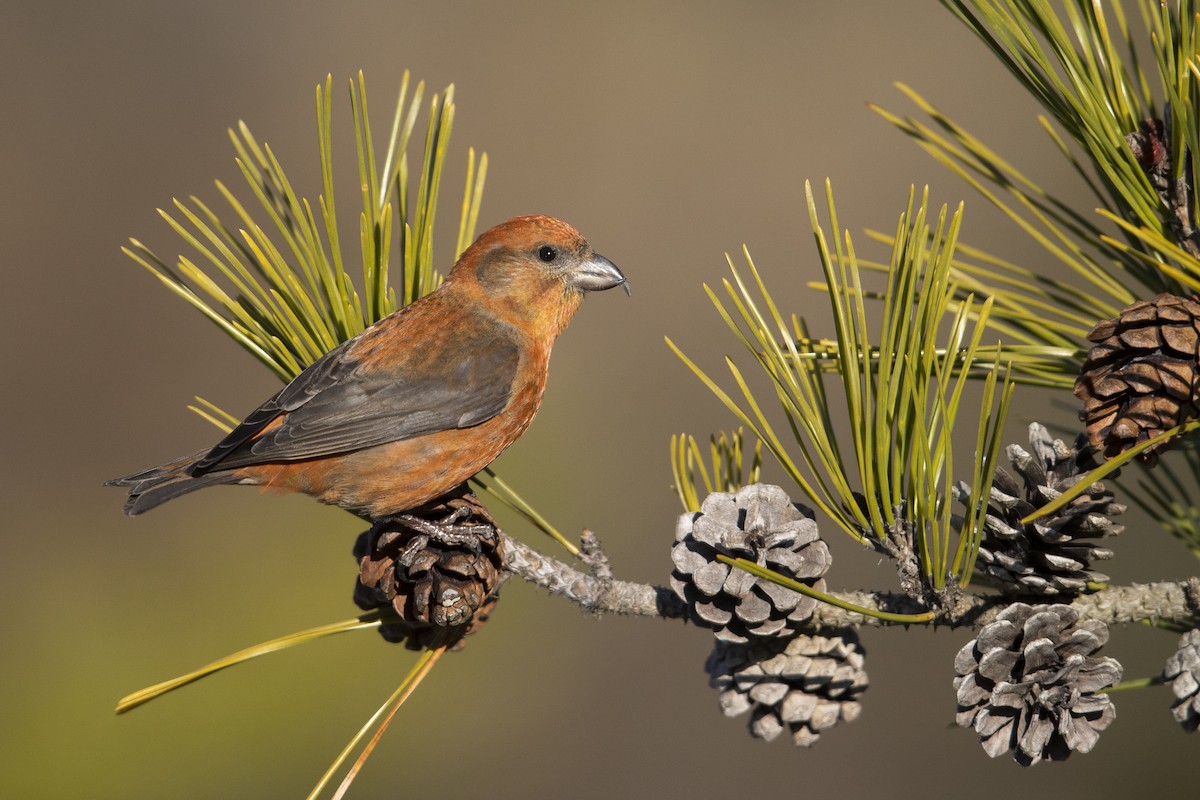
(420, 401)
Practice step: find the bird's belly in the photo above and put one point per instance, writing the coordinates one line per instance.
(395, 477)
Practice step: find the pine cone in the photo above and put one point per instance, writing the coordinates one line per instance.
(438, 567)
(1182, 672)
(759, 523)
(1142, 376)
(1029, 682)
(1052, 555)
(805, 685)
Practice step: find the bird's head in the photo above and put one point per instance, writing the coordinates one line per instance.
(535, 270)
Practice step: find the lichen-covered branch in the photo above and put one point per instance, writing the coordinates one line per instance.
(1165, 601)
(601, 595)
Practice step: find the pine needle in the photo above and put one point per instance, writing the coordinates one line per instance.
(369, 620)
(387, 711)
(899, 387)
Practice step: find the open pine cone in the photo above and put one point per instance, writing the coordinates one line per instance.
(438, 567)
(804, 685)
(1142, 376)
(761, 524)
(1182, 672)
(1031, 682)
(1052, 555)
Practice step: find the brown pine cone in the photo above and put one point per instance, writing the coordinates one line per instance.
(437, 566)
(1142, 376)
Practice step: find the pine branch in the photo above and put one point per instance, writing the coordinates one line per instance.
(1174, 602)
(593, 593)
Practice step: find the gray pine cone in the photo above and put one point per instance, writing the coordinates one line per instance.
(1052, 555)
(804, 685)
(759, 523)
(1028, 683)
(1182, 672)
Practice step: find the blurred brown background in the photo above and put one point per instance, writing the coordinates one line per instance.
(669, 133)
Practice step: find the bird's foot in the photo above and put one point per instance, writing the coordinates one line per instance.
(450, 530)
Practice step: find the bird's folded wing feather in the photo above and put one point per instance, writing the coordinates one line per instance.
(347, 401)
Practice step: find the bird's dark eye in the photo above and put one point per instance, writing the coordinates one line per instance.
(547, 253)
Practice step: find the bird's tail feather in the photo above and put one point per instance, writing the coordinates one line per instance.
(153, 487)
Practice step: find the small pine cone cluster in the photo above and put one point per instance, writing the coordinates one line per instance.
(1030, 683)
(1142, 376)
(804, 685)
(761, 524)
(437, 567)
(1182, 673)
(1052, 555)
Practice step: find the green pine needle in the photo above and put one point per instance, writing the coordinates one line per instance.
(371, 619)
(1167, 495)
(1110, 466)
(273, 275)
(1080, 60)
(774, 577)
(694, 481)
(490, 482)
(379, 722)
(277, 282)
(902, 392)
(275, 278)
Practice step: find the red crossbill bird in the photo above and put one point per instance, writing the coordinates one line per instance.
(420, 401)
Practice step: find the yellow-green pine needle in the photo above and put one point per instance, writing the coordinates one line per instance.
(829, 599)
(383, 717)
(491, 483)
(1107, 468)
(369, 620)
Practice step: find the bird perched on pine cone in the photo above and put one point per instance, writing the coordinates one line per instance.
(420, 401)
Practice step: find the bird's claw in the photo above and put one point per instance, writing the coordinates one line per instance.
(448, 531)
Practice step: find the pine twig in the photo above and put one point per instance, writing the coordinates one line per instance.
(593, 593)
(1164, 601)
